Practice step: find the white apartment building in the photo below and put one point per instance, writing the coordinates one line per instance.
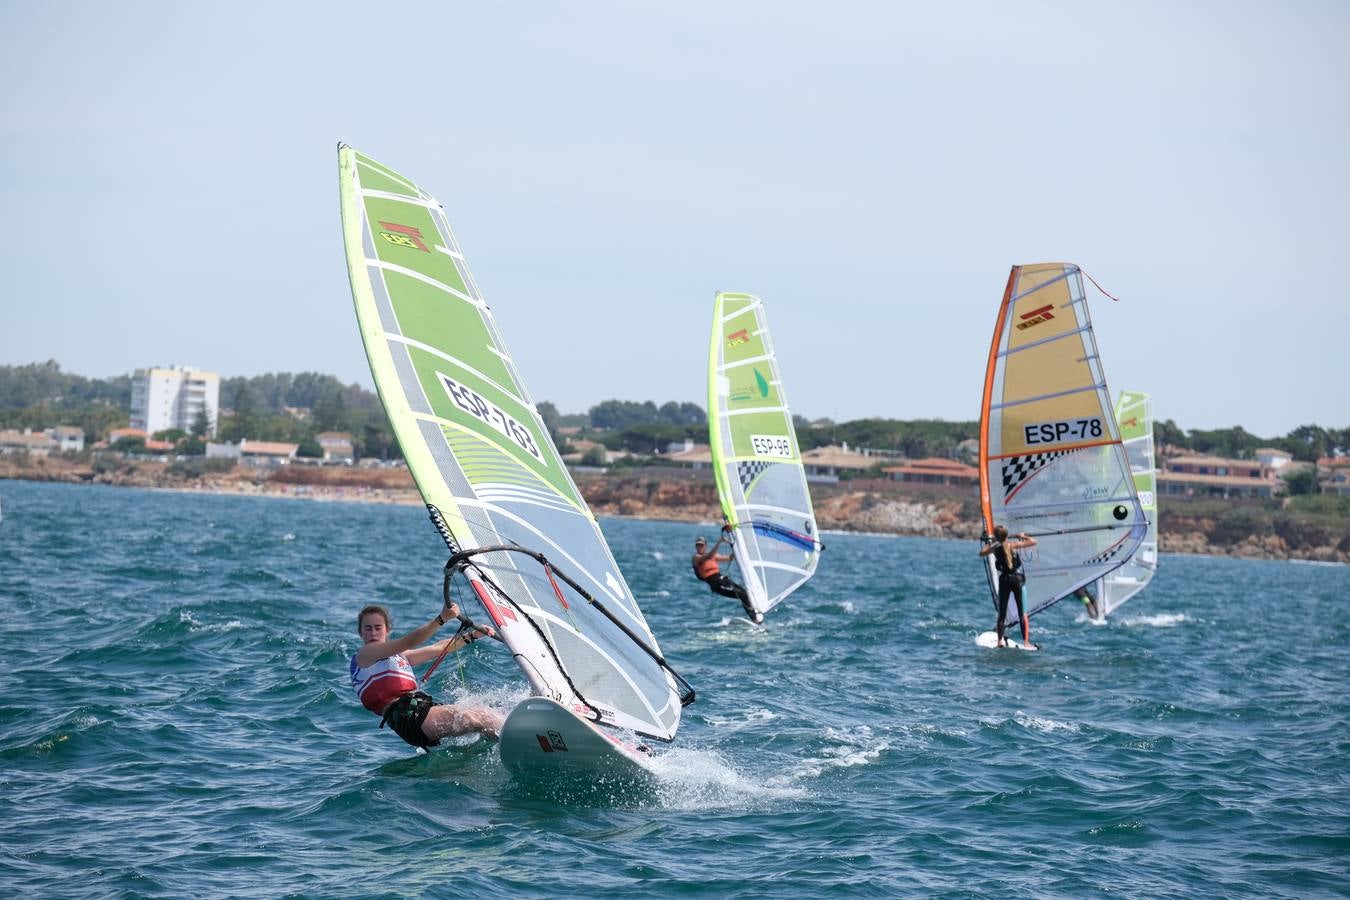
(171, 397)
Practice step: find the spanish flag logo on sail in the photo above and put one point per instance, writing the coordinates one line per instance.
(404, 236)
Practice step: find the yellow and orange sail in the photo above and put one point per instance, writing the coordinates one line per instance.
(1051, 460)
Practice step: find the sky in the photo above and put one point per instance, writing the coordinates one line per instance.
(870, 170)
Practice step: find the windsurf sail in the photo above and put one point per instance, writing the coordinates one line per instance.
(1051, 460)
(755, 457)
(483, 461)
(1134, 415)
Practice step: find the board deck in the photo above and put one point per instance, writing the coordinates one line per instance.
(989, 640)
(543, 738)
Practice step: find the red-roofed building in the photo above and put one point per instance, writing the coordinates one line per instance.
(1214, 476)
(934, 470)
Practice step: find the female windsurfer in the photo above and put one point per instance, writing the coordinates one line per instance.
(1011, 578)
(383, 677)
(705, 562)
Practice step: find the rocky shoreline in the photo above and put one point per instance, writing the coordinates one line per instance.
(681, 496)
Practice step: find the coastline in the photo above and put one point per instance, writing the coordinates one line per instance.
(671, 495)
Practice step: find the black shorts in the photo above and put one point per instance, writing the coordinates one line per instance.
(406, 715)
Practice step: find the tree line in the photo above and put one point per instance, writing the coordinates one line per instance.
(294, 408)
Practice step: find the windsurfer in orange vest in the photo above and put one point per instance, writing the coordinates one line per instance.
(707, 571)
(384, 681)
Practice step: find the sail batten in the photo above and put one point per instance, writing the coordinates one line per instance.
(761, 482)
(1052, 463)
(484, 462)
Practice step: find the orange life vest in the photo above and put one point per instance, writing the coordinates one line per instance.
(706, 568)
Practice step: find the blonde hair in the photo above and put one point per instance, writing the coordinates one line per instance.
(1001, 535)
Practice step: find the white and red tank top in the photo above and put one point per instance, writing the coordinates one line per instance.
(382, 682)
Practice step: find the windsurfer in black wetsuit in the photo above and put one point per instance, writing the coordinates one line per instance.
(1089, 601)
(1011, 578)
(705, 562)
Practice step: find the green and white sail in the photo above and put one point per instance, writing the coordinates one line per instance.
(481, 456)
(1134, 414)
(758, 465)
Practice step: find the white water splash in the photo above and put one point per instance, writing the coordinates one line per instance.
(854, 747)
(1160, 620)
(736, 723)
(702, 780)
(1040, 723)
(658, 555)
(288, 536)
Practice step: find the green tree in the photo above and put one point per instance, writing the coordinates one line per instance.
(330, 412)
(129, 445)
(1167, 432)
(620, 414)
(244, 422)
(549, 413)
(1308, 443)
(1302, 480)
(201, 424)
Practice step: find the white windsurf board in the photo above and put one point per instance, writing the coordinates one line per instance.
(544, 738)
(989, 641)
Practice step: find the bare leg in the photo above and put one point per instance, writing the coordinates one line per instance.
(452, 721)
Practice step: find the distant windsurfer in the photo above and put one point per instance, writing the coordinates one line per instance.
(1089, 601)
(1011, 578)
(706, 568)
(383, 677)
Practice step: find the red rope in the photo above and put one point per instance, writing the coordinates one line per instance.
(1099, 287)
(444, 650)
(548, 570)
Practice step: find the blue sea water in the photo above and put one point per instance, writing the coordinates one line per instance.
(176, 719)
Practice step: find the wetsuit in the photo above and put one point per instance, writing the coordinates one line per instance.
(1089, 601)
(706, 571)
(1010, 581)
(388, 688)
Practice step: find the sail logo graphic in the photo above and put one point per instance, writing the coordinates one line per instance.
(736, 338)
(1130, 423)
(1035, 317)
(741, 393)
(404, 236)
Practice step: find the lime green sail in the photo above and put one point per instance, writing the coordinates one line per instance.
(756, 459)
(1134, 414)
(485, 464)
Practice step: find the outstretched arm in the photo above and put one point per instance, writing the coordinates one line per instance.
(377, 650)
(418, 655)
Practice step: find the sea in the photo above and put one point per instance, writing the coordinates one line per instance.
(176, 719)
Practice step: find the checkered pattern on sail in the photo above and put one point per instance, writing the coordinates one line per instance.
(747, 472)
(1017, 469)
(1107, 555)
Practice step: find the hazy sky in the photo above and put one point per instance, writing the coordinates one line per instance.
(871, 170)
